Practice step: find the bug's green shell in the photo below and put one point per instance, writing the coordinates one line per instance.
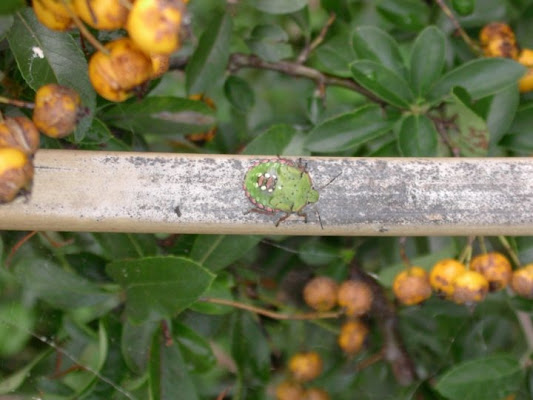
(279, 185)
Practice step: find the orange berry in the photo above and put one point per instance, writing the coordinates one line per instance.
(288, 390)
(496, 30)
(495, 267)
(102, 14)
(16, 173)
(352, 336)
(305, 366)
(443, 274)
(53, 15)
(320, 293)
(470, 287)
(522, 281)
(155, 25)
(316, 394)
(500, 47)
(160, 64)
(21, 133)
(56, 110)
(412, 286)
(355, 297)
(115, 75)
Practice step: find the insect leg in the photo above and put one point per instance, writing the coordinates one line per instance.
(282, 218)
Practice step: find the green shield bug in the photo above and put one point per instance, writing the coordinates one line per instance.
(280, 186)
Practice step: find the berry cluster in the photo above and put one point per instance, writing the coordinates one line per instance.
(452, 280)
(498, 40)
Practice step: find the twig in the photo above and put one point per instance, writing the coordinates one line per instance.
(394, 351)
(304, 55)
(17, 103)
(446, 10)
(403, 254)
(240, 60)
(510, 251)
(271, 314)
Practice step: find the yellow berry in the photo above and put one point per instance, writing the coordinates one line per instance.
(155, 25)
(501, 47)
(355, 297)
(160, 64)
(496, 30)
(443, 274)
(289, 390)
(522, 281)
(21, 133)
(352, 336)
(16, 173)
(411, 286)
(114, 76)
(470, 287)
(102, 14)
(525, 84)
(305, 366)
(495, 267)
(320, 293)
(47, 13)
(56, 110)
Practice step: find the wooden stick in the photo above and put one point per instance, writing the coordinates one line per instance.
(185, 193)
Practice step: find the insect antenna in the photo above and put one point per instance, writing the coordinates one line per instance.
(330, 181)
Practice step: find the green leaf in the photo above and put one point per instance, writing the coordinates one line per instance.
(195, 349)
(273, 141)
(519, 137)
(411, 15)
(279, 6)
(135, 344)
(159, 287)
(12, 382)
(250, 349)
(481, 77)
(383, 82)
(270, 43)
(427, 59)
(45, 280)
(336, 53)
(161, 115)
(347, 131)
(216, 252)
(15, 333)
(10, 6)
(44, 56)
(168, 377)
(374, 44)
(221, 288)
(239, 93)
(469, 132)
(6, 22)
(208, 62)
(489, 378)
(417, 136)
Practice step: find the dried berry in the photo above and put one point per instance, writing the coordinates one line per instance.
(21, 133)
(352, 336)
(16, 173)
(155, 25)
(102, 14)
(289, 390)
(522, 281)
(320, 293)
(305, 366)
(495, 267)
(114, 76)
(470, 287)
(355, 297)
(412, 286)
(443, 274)
(56, 110)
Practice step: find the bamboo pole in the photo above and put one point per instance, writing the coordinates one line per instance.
(185, 193)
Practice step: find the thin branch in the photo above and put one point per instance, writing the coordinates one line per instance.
(269, 313)
(17, 103)
(394, 351)
(505, 243)
(304, 55)
(446, 10)
(238, 61)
